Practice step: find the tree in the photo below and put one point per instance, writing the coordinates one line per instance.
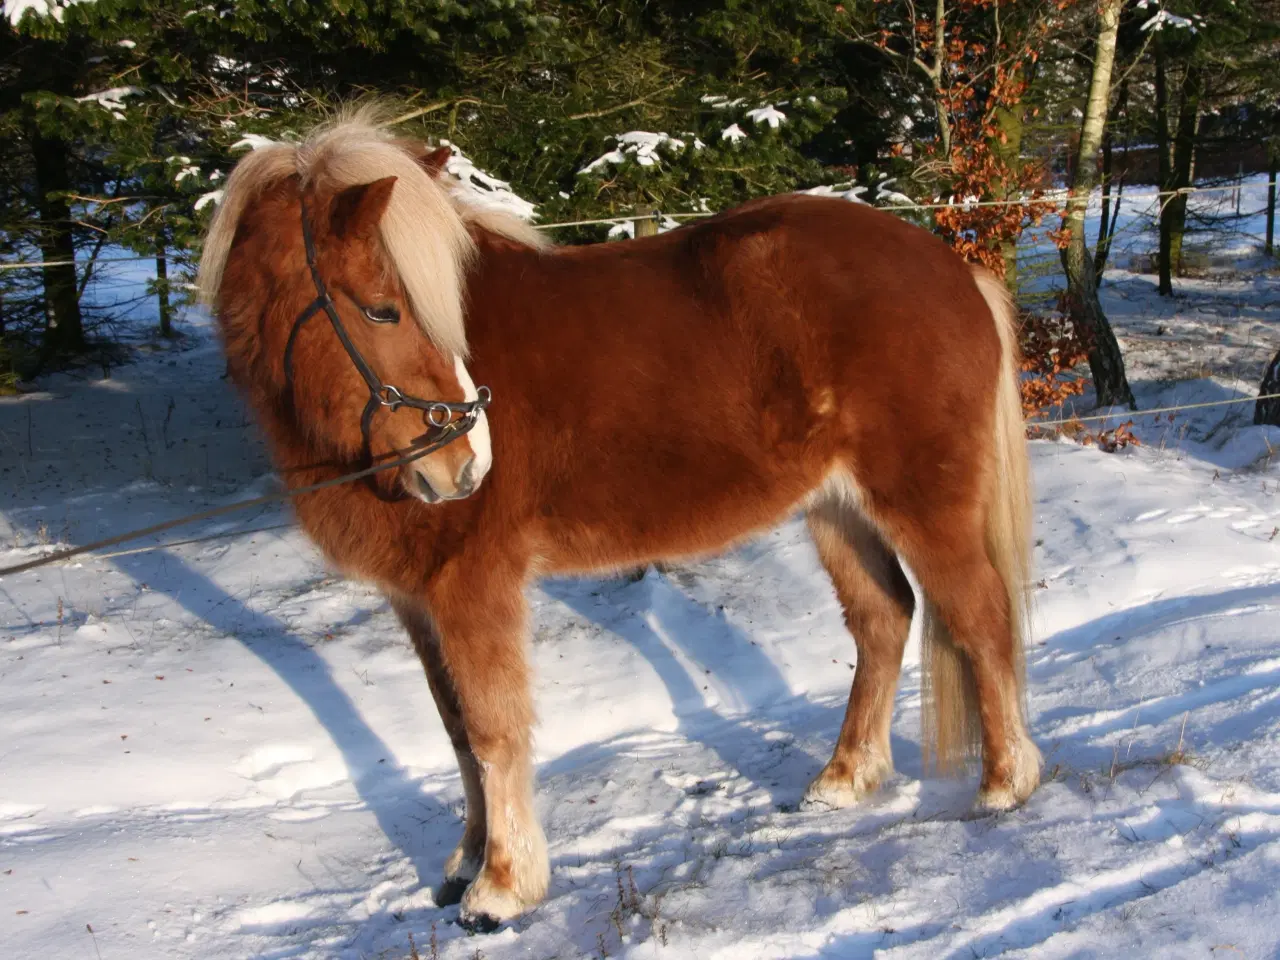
(82, 140)
(1105, 361)
(1210, 57)
(972, 61)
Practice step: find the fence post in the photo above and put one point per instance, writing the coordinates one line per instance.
(646, 221)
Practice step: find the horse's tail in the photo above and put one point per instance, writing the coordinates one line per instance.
(952, 731)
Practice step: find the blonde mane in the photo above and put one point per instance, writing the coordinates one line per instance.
(501, 222)
(424, 229)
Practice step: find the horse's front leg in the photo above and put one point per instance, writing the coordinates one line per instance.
(479, 619)
(465, 862)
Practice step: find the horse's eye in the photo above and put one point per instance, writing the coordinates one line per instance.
(383, 313)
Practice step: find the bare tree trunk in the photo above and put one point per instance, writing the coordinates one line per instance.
(64, 330)
(1173, 210)
(1009, 121)
(1269, 248)
(1107, 225)
(162, 290)
(1268, 411)
(1164, 147)
(940, 105)
(1105, 361)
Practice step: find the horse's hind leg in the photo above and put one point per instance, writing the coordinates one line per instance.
(467, 858)
(878, 604)
(972, 651)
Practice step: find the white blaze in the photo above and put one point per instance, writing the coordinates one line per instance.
(481, 445)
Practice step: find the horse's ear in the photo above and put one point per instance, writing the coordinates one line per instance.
(434, 161)
(357, 210)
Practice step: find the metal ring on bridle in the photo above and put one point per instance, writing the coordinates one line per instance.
(443, 412)
(390, 396)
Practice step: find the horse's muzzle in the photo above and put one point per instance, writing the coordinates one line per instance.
(465, 482)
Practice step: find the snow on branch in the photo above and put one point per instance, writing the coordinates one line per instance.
(252, 141)
(483, 190)
(112, 99)
(767, 114)
(852, 194)
(642, 146)
(721, 103)
(214, 197)
(856, 193)
(1163, 18)
(15, 10)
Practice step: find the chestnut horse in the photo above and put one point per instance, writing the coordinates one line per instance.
(652, 400)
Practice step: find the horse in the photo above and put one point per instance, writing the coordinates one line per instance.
(657, 399)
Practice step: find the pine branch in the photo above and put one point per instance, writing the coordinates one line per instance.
(592, 114)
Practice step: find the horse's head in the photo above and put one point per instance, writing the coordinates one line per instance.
(420, 392)
(340, 303)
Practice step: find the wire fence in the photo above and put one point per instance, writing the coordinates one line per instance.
(1048, 200)
(66, 555)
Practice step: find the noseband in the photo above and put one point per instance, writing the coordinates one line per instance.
(447, 421)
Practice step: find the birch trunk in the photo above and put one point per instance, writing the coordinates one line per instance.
(1105, 362)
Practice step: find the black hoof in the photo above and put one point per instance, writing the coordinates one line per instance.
(451, 891)
(479, 923)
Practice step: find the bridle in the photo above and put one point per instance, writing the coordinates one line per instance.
(448, 421)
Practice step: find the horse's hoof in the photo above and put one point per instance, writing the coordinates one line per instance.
(478, 922)
(824, 795)
(1017, 787)
(838, 787)
(451, 891)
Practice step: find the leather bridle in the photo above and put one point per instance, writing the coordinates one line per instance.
(447, 421)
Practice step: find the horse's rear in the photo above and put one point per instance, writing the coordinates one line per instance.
(701, 385)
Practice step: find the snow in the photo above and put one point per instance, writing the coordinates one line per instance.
(733, 133)
(1162, 18)
(15, 10)
(252, 141)
(479, 188)
(112, 99)
(843, 192)
(857, 193)
(221, 750)
(213, 196)
(640, 145)
(719, 102)
(768, 114)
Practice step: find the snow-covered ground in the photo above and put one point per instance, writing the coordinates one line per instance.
(220, 750)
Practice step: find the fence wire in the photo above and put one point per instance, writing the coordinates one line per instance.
(659, 216)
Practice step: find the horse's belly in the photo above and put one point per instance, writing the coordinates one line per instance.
(667, 520)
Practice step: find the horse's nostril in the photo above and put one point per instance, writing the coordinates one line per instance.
(424, 488)
(467, 478)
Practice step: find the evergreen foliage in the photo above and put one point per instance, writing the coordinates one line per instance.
(120, 118)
